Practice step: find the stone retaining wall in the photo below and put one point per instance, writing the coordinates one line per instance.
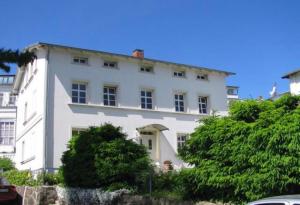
(51, 195)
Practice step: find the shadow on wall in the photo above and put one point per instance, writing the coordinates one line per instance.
(169, 153)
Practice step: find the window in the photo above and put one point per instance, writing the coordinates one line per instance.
(109, 95)
(232, 91)
(7, 133)
(25, 111)
(146, 99)
(146, 69)
(23, 150)
(179, 103)
(150, 144)
(80, 60)
(1, 99)
(12, 99)
(180, 74)
(79, 93)
(110, 64)
(181, 139)
(77, 131)
(202, 77)
(202, 105)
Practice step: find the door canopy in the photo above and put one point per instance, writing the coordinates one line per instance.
(152, 126)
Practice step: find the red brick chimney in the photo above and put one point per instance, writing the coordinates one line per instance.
(138, 53)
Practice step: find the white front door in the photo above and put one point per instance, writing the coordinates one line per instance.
(148, 139)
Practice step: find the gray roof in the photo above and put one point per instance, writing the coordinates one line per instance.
(131, 57)
(287, 75)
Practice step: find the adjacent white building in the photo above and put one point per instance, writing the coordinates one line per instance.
(232, 93)
(157, 103)
(7, 117)
(294, 78)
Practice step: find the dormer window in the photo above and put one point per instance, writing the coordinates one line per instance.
(80, 60)
(146, 69)
(110, 64)
(202, 77)
(180, 74)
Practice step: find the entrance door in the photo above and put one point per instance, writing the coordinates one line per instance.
(148, 139)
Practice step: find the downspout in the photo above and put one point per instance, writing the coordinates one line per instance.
(46, 85)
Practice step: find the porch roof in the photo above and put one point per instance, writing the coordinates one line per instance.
(153, 126)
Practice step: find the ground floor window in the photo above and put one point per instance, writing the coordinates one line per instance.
(77, 131)
(7, 132)
(181, 139)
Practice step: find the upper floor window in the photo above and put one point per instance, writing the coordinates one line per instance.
(79, 91)
(146, 69)
(1, 99)
(147, 99)
(12, 99)
(202, 77)
(7, 133)
(6, 80)
(80, 60)
(110, 64)
(109, 95)
(179, 102)
(232, 91)
(180, 74)
(202, 104)
(181, 139)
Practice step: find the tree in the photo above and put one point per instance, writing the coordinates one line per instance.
(6, 164)
(8, 56)
(103, 157)
(252, 153)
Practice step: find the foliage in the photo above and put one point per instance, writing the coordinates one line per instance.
(8, 56)
(250, 154)
(103, 157)
(6, 164)
(20, 178)
(50, 178)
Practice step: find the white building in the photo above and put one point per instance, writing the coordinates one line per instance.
(294, 78)
(7, 116)
(157, 103)
(232, 93)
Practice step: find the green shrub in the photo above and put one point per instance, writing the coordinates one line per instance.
(252, 153)
(50, 178)
(6, 164)
(103, 157)
(20, 178)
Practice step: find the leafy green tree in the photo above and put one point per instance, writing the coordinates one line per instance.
(6, 164)
(103, 157)
(252, 153)
(8, 56)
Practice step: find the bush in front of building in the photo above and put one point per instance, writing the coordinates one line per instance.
(6, 164)
(252, 153)
(20, 178)
(103, 157)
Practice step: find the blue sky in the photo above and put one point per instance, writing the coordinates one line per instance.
(257, 39)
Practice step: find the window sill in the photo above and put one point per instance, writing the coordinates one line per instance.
(136, 109)
(28, 160)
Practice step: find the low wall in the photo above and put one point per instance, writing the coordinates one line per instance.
(51, 195)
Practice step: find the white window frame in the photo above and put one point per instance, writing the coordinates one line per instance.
(145, 97)
(202, 76)
(7, 132)
(177, 102)
(181, 139)
(80, 60)
(109, 95)
(179, 73)
(203, 105)
(79, 91)
(108, 64)
(146, 69)
(78, 130)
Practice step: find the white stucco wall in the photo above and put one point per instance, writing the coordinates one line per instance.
(65, 115)
(62, 115)
(30, 128)
(295, 83)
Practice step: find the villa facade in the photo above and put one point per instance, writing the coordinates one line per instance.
(66, 90)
